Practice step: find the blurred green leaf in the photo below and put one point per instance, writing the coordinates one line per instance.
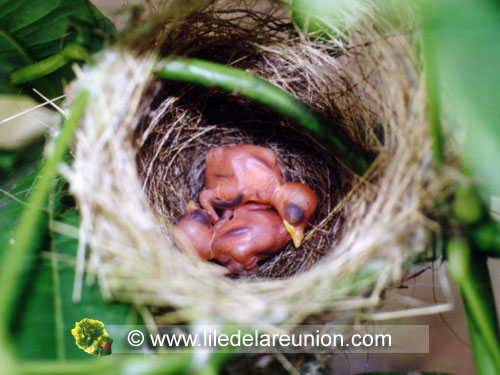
(402, 373)
(175, 363)
(462, 54)
(30, 226)
(46, 313)
(33, 30)
(15, 191)
(484, 363)
(320, 18)
(14, 163)
(486, 238)
(461, 43)
(7, 160)
(467, 205)
(33, 332)
(471, 274)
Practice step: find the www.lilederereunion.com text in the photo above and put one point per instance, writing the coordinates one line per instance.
(256, 339)
(286, 339)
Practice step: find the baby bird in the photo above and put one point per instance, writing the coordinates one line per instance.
(238, 240)
(195, 231)
(249, 173)
(247, 235)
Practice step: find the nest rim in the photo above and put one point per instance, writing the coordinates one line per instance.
(283, 300)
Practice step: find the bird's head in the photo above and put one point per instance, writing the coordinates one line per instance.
(295, 203)
(194, 231)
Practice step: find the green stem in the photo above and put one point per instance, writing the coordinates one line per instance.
(24, 240)
(483, 362)
(472, 276)
(42, 68)
(45, 84)
(213, 75)
(478, 296)
(58, 310)
(433, 102)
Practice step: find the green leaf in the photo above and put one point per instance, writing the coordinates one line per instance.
(47, 303)
(34, 326)
(30, 226)
(486, 238)
(320, 18)
(472, 276)
(467, 205)
(176, 363)
(484, 362)
(13, 163)
(7, 160)
(33, 30)
(45, 313)
(402, 373)
(14, 192)
(463, 54)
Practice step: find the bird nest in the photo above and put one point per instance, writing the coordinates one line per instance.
(139, 159)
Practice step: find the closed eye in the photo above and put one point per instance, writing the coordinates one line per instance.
(294, 214)
(200, 216)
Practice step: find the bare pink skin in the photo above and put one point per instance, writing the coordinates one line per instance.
(240, 174)
(249, 173)
(292, 195)
(195, 231)
(247, 235)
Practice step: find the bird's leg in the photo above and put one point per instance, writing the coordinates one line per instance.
(206, 197)
(237, 201)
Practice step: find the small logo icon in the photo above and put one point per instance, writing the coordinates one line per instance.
(91, 336)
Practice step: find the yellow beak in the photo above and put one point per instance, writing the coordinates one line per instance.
(296, 234)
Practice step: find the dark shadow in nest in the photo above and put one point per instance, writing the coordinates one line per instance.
(171, 162)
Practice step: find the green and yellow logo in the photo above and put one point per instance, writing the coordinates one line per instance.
(91, 336)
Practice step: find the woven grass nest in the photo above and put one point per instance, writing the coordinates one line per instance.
(139, 159)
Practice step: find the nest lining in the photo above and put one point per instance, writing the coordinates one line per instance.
(140, 152)
(172, 162)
